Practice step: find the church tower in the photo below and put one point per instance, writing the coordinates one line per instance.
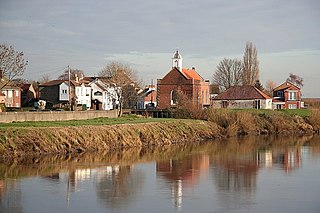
(177, 61)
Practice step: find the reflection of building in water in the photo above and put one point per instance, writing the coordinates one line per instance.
(10, 196)
(118, 185)
(183, 173)
(287, 159)
(236, 173)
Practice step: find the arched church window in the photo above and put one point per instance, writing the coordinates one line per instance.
(174, 97)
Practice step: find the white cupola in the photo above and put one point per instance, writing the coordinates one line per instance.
(177, 60)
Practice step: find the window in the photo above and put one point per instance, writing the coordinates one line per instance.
(17, 93)
(17, 104)
(64, 91)
(10, 93)
(174, 97)
(292, 96)
(280, 93)
(292, 106)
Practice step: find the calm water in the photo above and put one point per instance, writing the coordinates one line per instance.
(251, 174)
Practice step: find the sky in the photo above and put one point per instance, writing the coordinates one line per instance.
(88, 35)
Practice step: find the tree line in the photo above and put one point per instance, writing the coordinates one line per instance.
(233, 72)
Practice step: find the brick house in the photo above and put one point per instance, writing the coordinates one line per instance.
(242, 97)
(187, 81)
(287, 96)
(12, 96)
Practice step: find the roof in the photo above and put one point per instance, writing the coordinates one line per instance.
(191, 74)
(246, 92)
(24, 87)
(51, 83)
(285, 85)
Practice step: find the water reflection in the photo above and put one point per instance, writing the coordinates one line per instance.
(229, 168)
(182, 173)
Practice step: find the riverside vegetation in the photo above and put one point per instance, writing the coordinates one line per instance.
(104, 134)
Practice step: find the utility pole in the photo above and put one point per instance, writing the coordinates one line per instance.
(69, 88)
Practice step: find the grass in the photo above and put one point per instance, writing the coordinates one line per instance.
(129, 119)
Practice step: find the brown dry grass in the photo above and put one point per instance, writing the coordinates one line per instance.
(22, 141)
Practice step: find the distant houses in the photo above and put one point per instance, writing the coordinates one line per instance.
(100, 93)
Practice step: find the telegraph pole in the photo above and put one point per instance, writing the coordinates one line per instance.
(69, 88)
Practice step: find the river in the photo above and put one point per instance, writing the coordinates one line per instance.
(247, 174)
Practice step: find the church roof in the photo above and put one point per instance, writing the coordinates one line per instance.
(191, 74)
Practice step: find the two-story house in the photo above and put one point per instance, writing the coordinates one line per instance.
(12, 97)
(287, 96)
(83, 93)
(105, 96)
(180, 79)
(56, 92)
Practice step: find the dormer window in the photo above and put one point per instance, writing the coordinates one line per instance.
(280, 93)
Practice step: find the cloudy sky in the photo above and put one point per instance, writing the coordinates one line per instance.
(145, 33)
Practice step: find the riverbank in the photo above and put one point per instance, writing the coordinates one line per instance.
(25, 139)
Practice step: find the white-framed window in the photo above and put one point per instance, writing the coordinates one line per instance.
(292, 106)
(64, 91)
(292, 96)
(17, 93)
(17, 104)
(10, 93)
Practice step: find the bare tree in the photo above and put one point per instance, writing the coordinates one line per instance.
(123, 76)
(270, 85)
(44, 78)
(296, 80)
(228, 73)
(73, 74)
(12, 64)
(250, 65)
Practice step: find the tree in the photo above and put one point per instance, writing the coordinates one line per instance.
(250, 65)
(258, 85)
(12, 64)
(44, 78)
(270, 85)
(228, 73)
(295, 79)
(123, 76)
(73, 74)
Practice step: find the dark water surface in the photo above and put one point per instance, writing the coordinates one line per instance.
(250, 174)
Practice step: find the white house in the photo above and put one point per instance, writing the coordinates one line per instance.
(104, 95)
(83, 94)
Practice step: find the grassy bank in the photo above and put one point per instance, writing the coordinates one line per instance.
(103, 134)
(18, 141)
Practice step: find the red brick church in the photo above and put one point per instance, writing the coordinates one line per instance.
(188, 81)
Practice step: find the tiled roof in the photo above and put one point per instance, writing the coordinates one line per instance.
(191, 74)
(51, 83)
(246, 92)
(285, 86)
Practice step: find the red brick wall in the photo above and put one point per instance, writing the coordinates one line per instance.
(175, 80)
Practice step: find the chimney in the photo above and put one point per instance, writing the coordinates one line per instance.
(77, 79)
(81, 76)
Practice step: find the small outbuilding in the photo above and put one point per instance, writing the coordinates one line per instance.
(242, 97)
